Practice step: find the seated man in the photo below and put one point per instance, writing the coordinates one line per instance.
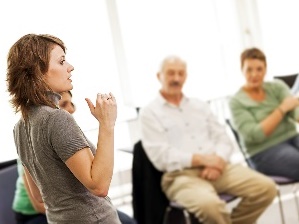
(183, 139)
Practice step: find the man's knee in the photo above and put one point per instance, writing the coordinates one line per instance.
(270, 188)
(211, 210)
(267, 189)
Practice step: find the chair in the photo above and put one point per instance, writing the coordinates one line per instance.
(288, 79)
(8, 178)
(150, 205)
(7, 163)
(279, 180)
(291, 80)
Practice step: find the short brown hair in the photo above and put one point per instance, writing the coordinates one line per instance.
(27, 62)
(253, 53)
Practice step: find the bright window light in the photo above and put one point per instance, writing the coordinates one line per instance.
(85, 29)
(279, 26)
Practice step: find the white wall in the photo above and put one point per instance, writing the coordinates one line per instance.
(118, 47)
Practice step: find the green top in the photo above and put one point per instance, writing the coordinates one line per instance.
(247, 115)
(21, 202)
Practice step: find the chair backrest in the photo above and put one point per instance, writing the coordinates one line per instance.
(8, 178)
(291, 80)
(149, 201)
(237, 138)
(288, 79)
(236, 135)
(8, 163)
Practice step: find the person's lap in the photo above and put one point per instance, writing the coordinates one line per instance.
(196, 195)
(240, 181)
(31, 219)
(201, 196)
(41, 219)
(279, 160)
(235, 180)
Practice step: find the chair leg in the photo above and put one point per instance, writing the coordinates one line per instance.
(280, 206)
(166, 214)
(187, 216)
(296, 198)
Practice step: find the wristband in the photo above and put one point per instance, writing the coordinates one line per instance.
(281, 111)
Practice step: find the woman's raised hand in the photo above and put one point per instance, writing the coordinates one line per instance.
(105, 110)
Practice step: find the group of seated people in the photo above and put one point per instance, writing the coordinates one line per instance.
(183, 139)
(64, 178)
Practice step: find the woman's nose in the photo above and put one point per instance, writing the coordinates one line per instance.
(71, 68)
(254, 74)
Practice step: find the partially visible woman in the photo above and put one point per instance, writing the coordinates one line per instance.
(265, 114)
(26, 208)
(71, 177)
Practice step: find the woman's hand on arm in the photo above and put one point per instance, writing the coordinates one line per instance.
(270, 123)
(32, 187)
(37, 205)
(289, 103)
(95, 172)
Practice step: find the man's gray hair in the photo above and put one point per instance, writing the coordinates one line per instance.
(169, 59)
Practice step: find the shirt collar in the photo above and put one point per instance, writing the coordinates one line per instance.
(163, 101)
(55, 97)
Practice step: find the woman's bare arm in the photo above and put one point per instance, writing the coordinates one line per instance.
(95, 172)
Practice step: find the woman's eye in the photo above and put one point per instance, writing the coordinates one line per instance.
(62, 62)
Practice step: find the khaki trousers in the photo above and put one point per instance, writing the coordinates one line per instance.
(200, 196)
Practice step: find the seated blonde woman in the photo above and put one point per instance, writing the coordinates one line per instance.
(265, 114)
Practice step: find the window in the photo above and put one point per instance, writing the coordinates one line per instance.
(90, 50)
(204, 33)
(279, 22)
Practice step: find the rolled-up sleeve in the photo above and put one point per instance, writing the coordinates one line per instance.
(245, 124)
(296, 114)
